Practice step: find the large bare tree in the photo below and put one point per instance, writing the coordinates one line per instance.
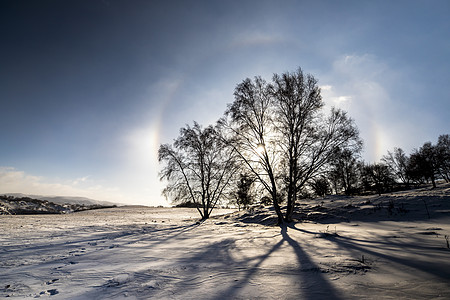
(198, 168)
(248, 129)
(308, 138)
(298, 102)
(281, 134)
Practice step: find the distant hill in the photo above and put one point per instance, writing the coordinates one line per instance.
(18, 205)
(63, 199)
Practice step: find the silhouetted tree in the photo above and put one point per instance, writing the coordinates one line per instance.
(248, 129)
(308, 139)
(297, 102)
(198, 168)
(423, 164)
(344, 170)
(282, 136)
(443, 156)
(321, 186)
(397, 161)
(243, 195)
(428, 151)
(377, 177)
(416, 168)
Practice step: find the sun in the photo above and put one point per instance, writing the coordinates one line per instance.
(260, 149)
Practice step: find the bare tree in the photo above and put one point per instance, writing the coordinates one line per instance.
(377, 177)
(308, 139)
(427, 163)
(321, 186)
(397, 161)
(248, 129)
(243, 195)
(344, 170)
(198, 168)
(298, 102)
(443, 156)
(281, 135)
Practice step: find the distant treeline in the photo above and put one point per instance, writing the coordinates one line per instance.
(397, 170)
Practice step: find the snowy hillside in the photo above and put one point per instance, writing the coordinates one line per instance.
(63, 199)
(10, 205)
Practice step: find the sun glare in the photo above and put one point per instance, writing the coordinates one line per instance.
(260, 149)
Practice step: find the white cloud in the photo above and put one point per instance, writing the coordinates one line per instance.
(326, 87)
(77, 181)
(341, 99)
(331, 99)
(16, 181)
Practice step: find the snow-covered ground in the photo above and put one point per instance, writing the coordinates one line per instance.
(350, 248)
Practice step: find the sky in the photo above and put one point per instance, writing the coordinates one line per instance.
(89, 89)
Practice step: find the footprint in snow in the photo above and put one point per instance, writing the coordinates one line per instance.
(52, 281)
(49, 292)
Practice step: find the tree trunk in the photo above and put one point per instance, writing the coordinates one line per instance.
(274, 190)
(292, 189)
(205, 214)
(277, 208)
(290, 208)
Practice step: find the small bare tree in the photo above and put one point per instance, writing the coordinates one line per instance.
(443, 156)
(423, 164)
(397, 161)
(243, 195)
(198, 168)
(377, 177)
(344, 170)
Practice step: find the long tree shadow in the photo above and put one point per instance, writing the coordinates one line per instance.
(382, 243)
(249, 273)
(425, 266)
(210, 269)
(320, 288)
(91, 240)
(311, 283)
(169, 233)
(387, 250)
(387, 207)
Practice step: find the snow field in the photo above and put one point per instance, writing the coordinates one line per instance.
(163, 253)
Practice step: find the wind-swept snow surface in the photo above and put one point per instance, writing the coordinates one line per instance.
(381, 248)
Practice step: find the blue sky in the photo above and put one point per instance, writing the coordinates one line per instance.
(90, 89)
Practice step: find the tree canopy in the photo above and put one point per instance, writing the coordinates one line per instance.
(198, 168)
